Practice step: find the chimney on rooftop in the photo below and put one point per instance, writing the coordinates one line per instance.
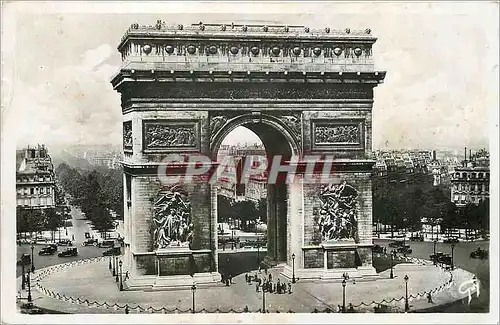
(433, 154)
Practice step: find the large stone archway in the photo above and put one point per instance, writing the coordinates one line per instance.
(304, 92)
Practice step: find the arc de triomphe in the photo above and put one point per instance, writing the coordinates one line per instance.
(302, 91)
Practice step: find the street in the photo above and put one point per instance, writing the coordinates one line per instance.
(462, 260)
(80, 227)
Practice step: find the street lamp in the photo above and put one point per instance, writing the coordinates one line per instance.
(193, 289)
(293, 268)
(407, 306)
(392, 265)
(121, 281)
(263, 300)
(23, 280)
(452, 260)
(116, 263)
(258, 251)
(435, 242)
(344, 283)
(29, 287)
(32, 259)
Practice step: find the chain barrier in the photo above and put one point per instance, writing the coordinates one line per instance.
(140, 309)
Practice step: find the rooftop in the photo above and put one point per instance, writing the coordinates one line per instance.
(232, 30)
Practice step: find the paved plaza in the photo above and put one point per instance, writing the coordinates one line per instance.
(87, 286)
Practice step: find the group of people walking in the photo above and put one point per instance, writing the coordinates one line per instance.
(266, 284)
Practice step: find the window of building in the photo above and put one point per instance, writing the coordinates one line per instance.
(480, 175)
(40, 178)
(32, 190)
(48, 190)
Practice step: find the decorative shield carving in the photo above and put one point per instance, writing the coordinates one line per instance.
(172, 219)
(337, 218)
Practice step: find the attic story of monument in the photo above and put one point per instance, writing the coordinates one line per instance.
(184, 88)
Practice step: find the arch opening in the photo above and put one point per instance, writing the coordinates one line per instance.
(252, 214)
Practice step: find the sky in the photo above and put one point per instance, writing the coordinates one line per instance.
(441, 88)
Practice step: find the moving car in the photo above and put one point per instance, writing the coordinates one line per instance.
(72, 251)
(112, 251)
(65, 242)
(89, 242)
(25, 259)
(451, 241)
(107, 244)
(406, 249)
(440, 257)
(48, 250)
(479, 253)
(396, 244)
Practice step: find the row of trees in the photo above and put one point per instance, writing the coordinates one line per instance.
(96, 193)
(246, 211)
(405, 209)
(35, 220)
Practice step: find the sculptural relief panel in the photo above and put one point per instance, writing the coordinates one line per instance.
(337, 216)
(172, 224)
(338, 134)
(168, 135)
(127, 135)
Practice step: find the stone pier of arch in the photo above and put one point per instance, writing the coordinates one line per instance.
(302, 91)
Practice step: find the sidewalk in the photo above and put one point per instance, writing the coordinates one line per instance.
(73, 288)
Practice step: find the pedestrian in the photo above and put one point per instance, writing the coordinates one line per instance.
(429, 298)
(245, 310)
(339, 308)
(289, 288)
(227, 282)
(126, 275)
(126, 309)
(222, 278)
(259, 269)
(274, 289)
(270, 277)
(246, 277)
(351, 308)
(230, 279)
(265, 269)
(256, 287)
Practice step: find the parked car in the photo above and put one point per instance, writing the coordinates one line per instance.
(72, 251)
(107, 244)
(451, 241)
(112, 251)
(405, 249)
(25, 259)
(65, 242)
(479, 253)
(378, 249)
(89, 242)
(48, 250)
